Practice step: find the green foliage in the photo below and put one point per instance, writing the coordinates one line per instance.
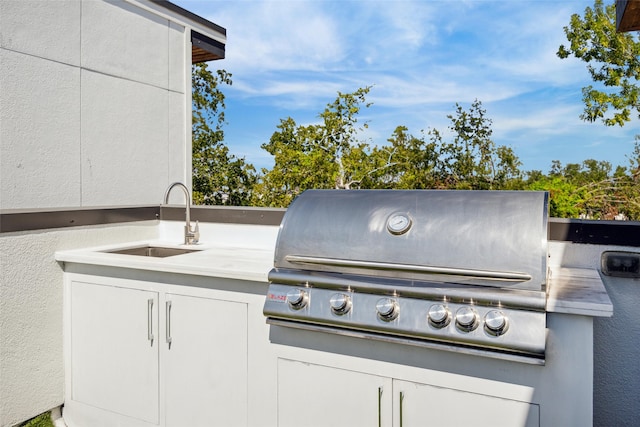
(326, 155)
(218, 176)
(613, 61)
(472, 160)
(591, 190)
(330, 155)
(42, 420)
(409, 162)
(564, 201)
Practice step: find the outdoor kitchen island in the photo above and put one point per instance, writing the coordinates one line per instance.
(182, 341)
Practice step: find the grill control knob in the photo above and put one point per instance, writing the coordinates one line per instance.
(439, 315)
(466, 319)
(297, 298)
(495, 322)
(387, 309)
(340, 303)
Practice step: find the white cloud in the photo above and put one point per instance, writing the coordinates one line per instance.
(422, 57)
(548, 120)
(264, 36)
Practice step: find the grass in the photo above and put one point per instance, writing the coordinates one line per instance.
(42, 420)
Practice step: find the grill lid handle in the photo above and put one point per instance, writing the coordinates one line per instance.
(374, 265)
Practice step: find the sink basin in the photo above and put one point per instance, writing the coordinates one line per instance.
(152, 251)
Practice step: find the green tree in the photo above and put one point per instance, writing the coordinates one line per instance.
(472, 160)
(407, 163)
(629, 184)
(326, 155)
(299, 165)
(564, 199)
(613, 61)
(329, 155)
(591, 189)
(218, 176)
(614, 195)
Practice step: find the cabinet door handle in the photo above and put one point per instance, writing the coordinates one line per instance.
(401, 406)
(168, 325)
(150, 320)
(379, 406)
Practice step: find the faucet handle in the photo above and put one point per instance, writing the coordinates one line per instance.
(196, 232)
(191, 234)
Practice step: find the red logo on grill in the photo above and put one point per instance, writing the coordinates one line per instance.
(277, 297)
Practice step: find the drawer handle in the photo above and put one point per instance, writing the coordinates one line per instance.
(150, 320)
(168, 326)
(401, 405)
(379, 406)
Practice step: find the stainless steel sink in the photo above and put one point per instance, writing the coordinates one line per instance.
(152, 251)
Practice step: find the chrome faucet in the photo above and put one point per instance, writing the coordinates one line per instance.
(191, 235)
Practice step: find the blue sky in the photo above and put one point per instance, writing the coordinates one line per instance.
(290, 58)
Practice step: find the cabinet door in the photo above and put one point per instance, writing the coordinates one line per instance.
(419, 405)
(114, 349)
(319, 396)
(205, 362)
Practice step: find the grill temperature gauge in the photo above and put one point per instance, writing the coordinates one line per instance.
(398, 223)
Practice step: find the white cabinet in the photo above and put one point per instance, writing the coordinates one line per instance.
(423, 404)
(320, 396)
(205, 362)
(311, 395)
(145, 355)
(115, 349)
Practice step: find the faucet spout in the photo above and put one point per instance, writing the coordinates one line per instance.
(191, 235)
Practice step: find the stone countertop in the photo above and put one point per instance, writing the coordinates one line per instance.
(251, 264)
(578, 291)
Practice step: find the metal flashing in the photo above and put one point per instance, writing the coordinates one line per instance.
(619, 233)
(203, 47)
(16, 220)
(190, 15)
(38, 219)
(225, 214)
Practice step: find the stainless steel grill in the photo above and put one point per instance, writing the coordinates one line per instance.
(456, 270)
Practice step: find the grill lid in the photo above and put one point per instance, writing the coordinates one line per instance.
(488, 238)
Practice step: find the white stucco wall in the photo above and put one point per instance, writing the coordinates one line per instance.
(95, 110)
(95, 105)
(31, 363)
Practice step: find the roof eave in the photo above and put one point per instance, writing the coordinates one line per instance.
(204, 47)
(627, 15)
